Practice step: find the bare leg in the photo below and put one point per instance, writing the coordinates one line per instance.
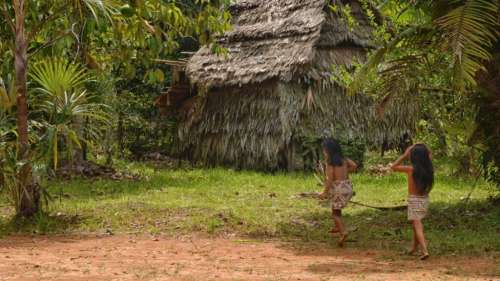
(418, 229)
(337, 216)
(335, 228)
(414, 247)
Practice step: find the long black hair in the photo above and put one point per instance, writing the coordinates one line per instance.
(423, 171)
(334, 152)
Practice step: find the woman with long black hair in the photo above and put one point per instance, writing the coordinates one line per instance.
(338, 187)
(420, 180)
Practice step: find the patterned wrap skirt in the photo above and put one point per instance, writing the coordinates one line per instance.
(340, 194)
(417, 207)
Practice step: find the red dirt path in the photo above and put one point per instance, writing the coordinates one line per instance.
(127, 258)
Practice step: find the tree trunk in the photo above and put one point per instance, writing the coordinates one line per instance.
(29, 200)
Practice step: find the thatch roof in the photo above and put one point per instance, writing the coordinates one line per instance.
(274, 39)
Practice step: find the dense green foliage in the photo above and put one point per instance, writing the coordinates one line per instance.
(444, 53)
(141, 129)
(71, 102)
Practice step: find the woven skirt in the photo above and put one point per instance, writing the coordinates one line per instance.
(417, 207)
(340, 194)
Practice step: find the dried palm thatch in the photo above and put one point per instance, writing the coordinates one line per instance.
(275, 86)
(274, 39)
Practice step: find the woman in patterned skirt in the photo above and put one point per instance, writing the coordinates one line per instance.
(338, 187)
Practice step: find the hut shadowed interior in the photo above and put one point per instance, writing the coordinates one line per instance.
(170, 102)
(274, 88)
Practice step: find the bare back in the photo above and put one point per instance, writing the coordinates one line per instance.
(340, 173)
(412, 187)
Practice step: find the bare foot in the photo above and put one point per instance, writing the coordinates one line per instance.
(424, 256)
(343, 237)
(411, 251)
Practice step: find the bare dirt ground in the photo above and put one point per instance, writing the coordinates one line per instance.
(123, 257)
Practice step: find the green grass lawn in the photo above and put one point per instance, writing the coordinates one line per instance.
(263, 206)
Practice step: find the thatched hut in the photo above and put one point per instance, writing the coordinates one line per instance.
(274, 89)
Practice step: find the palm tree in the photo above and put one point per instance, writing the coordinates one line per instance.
(30, 197)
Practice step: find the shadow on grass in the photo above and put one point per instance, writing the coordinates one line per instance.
(41, 223)
(461, 228)
(451, 229)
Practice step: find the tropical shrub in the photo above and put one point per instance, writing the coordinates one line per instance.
(8, 152)
(68, 114)
(140, 128)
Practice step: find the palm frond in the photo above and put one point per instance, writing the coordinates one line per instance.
(57, 76)
(470, 30)
(397, 80)
(413, 36)
(98, 8)
(64, 103)
(63, 114)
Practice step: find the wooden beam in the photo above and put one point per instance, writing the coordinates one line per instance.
(172, 62)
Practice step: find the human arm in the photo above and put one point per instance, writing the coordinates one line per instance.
(328, 182)
(351, 165)
(397, 167)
